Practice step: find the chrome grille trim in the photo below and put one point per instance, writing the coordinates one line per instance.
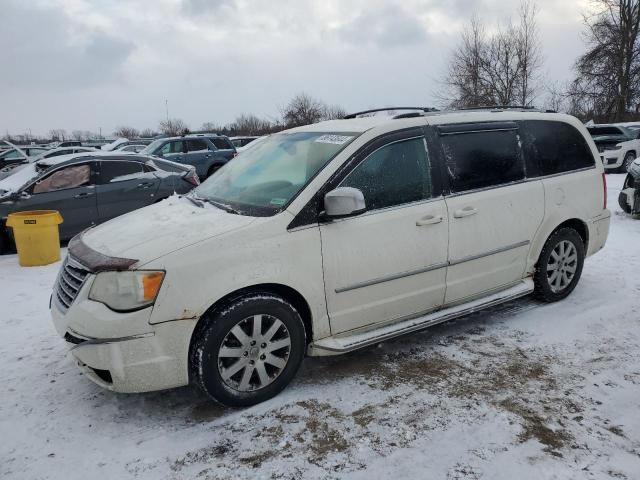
(69, 282)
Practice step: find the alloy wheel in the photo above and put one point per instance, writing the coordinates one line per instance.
(562, 266)
(254, 353)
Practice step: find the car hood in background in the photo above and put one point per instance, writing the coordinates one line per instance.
(610, 138)
(162, 228)
(8, 171)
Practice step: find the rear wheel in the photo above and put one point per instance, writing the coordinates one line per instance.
(248, 352)
(559, 266)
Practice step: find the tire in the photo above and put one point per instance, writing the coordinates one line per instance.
(626, 163)
(559, 266)
(231, 369)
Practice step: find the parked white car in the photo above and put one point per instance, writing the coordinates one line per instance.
(618, 145)
(331, 237)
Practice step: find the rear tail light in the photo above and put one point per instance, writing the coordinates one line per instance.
(192, 178)
(604, 191)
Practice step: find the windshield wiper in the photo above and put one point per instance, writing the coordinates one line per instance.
(194, 200)
(220, 205)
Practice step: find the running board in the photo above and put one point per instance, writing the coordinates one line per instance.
(335, 345)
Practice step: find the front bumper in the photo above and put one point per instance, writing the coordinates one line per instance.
(122, 351)
(612, 158)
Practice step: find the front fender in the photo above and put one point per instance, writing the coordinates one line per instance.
(264, 253)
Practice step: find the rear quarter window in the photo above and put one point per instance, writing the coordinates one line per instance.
(222, 143)
(553, 147)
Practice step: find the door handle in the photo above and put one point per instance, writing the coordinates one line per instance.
(83, 195)
(465, 212)
(429, 220)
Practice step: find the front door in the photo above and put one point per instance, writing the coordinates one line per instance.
(124, 186)
(390, 262)
(174, 150)
(199, 155)
(69, 190)
(493, 212)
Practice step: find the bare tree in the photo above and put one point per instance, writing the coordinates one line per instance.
(78, 135)
(57, 134)
(528, 52)
(555, 97)
(302, 110)
(211, 127)
(126, 132)
(333, 112)
(249, 124)
(173, 127)
(500, 68)
(464, 84)
(147, 133)
(607, 83)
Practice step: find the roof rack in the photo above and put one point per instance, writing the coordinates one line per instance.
(374, 110)
(523, 108)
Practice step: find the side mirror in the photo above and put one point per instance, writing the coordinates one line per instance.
(343, 202)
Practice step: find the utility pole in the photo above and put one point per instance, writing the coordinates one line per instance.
(166, 106)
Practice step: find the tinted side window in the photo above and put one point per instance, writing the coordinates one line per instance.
(197, 145)
(221, 143)
(482, 159)
(553, 147)
(119, 171)
(392, 175)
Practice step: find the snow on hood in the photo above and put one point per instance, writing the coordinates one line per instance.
(113, 145)
(159, 229)
(15, 181)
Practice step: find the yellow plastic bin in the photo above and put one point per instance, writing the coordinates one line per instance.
(37, 236)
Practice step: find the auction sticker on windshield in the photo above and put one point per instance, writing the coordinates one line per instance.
(335, 139)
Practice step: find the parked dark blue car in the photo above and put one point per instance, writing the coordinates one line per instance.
(88, 189)
(205, 152)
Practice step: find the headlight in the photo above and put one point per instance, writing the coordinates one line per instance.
(612, 147)
(125, 291)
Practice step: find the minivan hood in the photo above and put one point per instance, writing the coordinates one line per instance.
(156, 230)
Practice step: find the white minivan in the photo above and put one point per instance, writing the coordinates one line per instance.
(331, 237)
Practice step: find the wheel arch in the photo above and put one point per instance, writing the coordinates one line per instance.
(579, 226)
(541, 239)
(288, 293)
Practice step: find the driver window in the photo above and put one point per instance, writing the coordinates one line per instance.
(395, 174)
(70, 177)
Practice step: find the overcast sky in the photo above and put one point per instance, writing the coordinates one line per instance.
(90, 64)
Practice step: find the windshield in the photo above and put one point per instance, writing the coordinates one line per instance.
(264, 179)
(601, 131)
(153, 146)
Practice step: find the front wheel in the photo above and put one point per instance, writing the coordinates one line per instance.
(249, 351)
(559, 266)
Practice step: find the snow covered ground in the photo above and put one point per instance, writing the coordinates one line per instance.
(524, 391)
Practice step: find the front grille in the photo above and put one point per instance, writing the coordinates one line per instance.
(70, 279)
